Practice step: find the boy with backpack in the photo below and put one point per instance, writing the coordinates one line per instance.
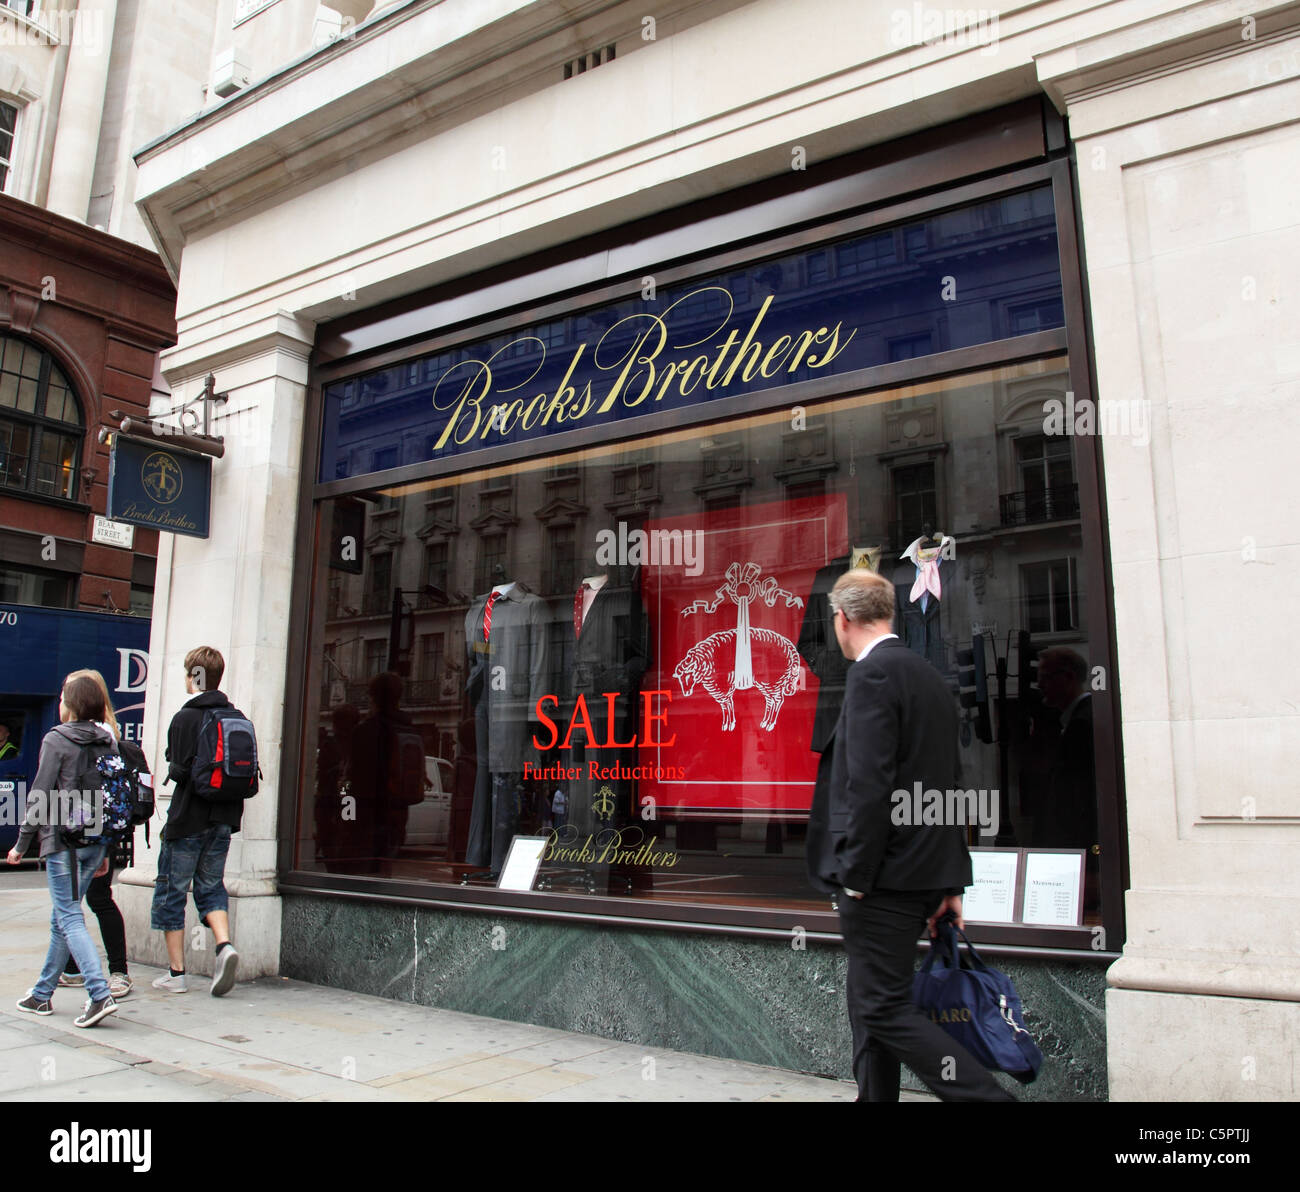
(212, 759)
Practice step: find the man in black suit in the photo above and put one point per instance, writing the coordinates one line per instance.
(898, 727)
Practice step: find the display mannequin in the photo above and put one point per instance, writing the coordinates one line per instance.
(818, 645)
(509, 668)
(923, 571)
(609, 630)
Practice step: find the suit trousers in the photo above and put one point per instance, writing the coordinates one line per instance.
(880, 933)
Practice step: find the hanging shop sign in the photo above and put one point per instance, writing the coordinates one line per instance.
(159, 487)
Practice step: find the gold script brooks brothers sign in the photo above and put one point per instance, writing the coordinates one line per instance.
(633, 373)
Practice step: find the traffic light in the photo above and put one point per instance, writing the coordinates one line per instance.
(401, 632)
(1028, 675)
(972, 679)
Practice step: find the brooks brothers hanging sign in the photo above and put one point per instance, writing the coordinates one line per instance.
(891, 294)
(159, 487)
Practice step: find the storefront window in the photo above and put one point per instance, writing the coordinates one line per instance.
(649, 685)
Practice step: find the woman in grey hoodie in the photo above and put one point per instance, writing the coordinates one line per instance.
(62, 761)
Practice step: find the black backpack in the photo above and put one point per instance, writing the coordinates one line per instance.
(141, 803)
(98, 809)
(225, 767)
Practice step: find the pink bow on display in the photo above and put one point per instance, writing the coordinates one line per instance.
(927, 580)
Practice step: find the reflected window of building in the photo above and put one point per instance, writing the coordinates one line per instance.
(1045, 469)
(379, 584)
(492, 561)
(562, 554)
(1050, 596)
(863, 254)
(908, 347)
(916, 501)
(437, 562)
(431, 657)
(1026, 318)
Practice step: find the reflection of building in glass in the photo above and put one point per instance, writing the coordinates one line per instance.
(966, 460)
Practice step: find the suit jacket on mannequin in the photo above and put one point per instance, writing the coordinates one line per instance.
(820, 650)
(610, 653)
(921, 629)
(509, 676)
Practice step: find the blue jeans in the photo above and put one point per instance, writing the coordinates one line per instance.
(68, 932)
(199, 859)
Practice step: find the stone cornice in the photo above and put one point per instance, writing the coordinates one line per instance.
(393, 75)
(1162, 45)
(281, 332)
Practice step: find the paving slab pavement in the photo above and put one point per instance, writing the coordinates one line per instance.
(280, 1040)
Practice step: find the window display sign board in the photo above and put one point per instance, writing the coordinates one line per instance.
(157, 487)
(1054, 887)
(992, 895)
(725, 613)
(520, 869)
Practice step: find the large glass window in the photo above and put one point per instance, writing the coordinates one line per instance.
(646, 685)
(29, 585)
(40, 422)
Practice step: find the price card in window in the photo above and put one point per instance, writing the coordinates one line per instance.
(520, 870)
(991, 897)
(1054, 887)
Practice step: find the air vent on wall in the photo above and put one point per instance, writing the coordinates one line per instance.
(587, 62)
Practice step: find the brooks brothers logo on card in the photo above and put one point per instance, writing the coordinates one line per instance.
(164, 490)
(610, 846)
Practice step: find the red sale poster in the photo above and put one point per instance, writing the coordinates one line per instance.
(724, 618)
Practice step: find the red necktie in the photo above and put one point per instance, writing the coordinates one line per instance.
(577, 610)
(487, 614)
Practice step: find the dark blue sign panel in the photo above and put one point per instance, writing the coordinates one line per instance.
(956, 279)
(150, 485)
(40, 648)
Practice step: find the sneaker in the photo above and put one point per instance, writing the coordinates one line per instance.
(170, 984)
(94, 1011)
(71, 980)
(30, 1005)
(119, 985)
(223, 973)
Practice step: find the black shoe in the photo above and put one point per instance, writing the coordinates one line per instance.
(94, 1011)
(29, 1005)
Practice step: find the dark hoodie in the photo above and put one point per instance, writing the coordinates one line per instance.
(190, 814)
(58, 769)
